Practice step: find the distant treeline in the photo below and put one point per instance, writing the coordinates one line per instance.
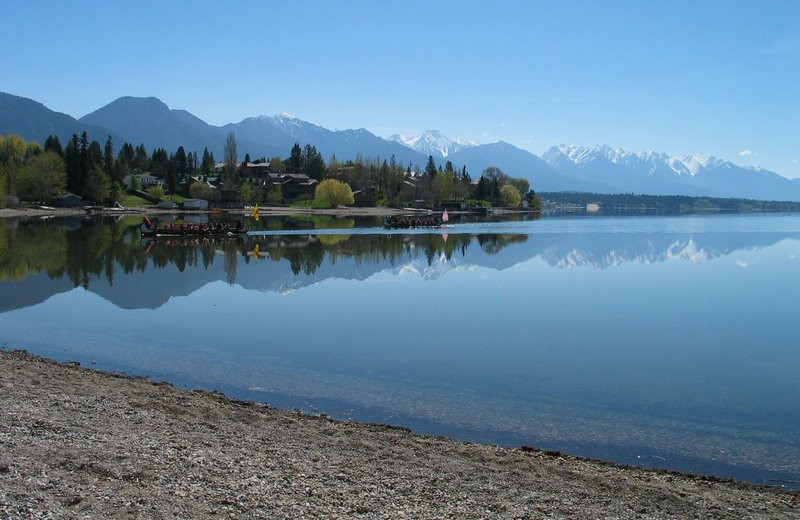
(98, 172)
(666, 204)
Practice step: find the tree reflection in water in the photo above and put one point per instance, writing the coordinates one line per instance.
(86, 249)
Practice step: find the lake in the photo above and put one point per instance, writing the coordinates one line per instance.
(661, 341)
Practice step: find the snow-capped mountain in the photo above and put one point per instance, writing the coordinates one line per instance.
(433, 142)
(281, 131)
(600, 169)
(613, 170)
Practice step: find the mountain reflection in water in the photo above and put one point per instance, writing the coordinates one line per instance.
(98, 254)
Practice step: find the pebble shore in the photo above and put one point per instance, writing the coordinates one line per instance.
(78, 443)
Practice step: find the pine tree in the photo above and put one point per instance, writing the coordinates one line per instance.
(108, 158)
(312, 162)
(295, 161)
(180, 163)
(207, 164)
(72, 160)
(52, 144)
(430, 169)
(141, 162)
(127, 153)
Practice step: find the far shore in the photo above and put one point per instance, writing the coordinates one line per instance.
(79, 443)
(264, 211)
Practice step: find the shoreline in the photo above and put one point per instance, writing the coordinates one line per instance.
(80, 442)
(266, 211)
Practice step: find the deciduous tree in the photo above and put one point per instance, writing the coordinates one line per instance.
(248, 195)
(333, 193)
(98, 184)
(231, 161)
(42, 178)
(509, 196)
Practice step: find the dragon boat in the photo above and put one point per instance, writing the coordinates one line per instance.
(401, 222)
(212, 229)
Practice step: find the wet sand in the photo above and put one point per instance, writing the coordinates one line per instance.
(78, 443)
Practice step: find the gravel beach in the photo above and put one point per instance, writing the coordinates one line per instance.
(78, 443)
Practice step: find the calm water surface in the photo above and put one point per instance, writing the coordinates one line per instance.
(659, 341)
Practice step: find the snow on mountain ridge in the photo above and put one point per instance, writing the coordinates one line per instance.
(584, 154)
(433, 142)
(687, 164)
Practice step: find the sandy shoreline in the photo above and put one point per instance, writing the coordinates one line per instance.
(78, 443)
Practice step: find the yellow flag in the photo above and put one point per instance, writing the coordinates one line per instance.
(255, 213)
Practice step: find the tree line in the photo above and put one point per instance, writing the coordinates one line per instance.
(97, 172)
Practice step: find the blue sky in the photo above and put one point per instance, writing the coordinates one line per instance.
(717, 77)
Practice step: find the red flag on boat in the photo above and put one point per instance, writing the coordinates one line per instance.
(445, 216)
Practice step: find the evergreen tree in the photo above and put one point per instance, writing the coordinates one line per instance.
(480, 191)
(140, 160)
(313, 163)
(246, 158)
(52, 144)
(448, 167)
(108, 158)
(171, 177)
(95, 155)
(207, 164)
(295, 162)
(430, 169)
(191, 162)
(127, 153)
(72, 160)
(180, 164)
(84, 162)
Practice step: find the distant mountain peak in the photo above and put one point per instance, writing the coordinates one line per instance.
(151, 102)
(696, 162)
(433, 142)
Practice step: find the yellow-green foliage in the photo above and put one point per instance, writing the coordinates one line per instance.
(31, 248)
(333, 193)
(509, 196)
(14, 152)
(446, 186)
(42, 177)
(201, 190)
(155, 192)
(333, 240)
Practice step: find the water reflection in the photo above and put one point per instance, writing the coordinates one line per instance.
(660, 339)
(295, 252)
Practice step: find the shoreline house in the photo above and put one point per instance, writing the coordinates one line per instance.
(145, 180)
(294, 186)
(198, 204)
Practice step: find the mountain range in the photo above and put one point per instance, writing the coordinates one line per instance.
(600, 169)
